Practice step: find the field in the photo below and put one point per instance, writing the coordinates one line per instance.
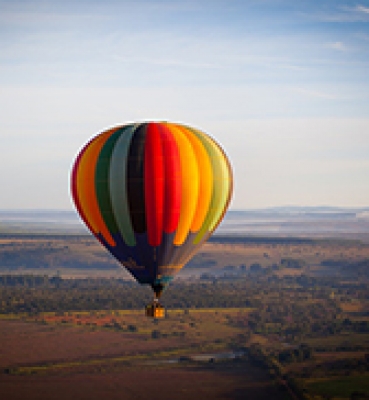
(129, 334)
(342, 387)
(58, 360)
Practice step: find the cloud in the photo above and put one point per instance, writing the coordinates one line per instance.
(317, 94)
(166, 62)
(340, 46)
(343, 14)
(362, 9)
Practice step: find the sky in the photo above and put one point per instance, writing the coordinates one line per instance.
(282, 85)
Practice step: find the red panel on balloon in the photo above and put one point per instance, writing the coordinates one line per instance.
(154, 184)
(173, 187)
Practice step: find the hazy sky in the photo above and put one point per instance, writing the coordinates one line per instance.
(282, 85)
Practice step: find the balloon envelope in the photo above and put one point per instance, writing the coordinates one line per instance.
(152, 193)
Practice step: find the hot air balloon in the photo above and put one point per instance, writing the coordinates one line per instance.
(152, 193)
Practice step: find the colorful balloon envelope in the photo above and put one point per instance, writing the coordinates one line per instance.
(152, 194)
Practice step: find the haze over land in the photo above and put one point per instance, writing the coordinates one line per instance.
(328, 222)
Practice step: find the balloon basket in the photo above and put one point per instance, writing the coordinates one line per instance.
(155, 310)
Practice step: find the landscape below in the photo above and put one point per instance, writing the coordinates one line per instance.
(258, 317)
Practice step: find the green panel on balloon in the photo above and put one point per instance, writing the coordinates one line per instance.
(118, 185)
(102, 182)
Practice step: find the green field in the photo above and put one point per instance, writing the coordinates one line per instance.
(343, 387)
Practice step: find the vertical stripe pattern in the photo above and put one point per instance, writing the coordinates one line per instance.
(152, 193)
